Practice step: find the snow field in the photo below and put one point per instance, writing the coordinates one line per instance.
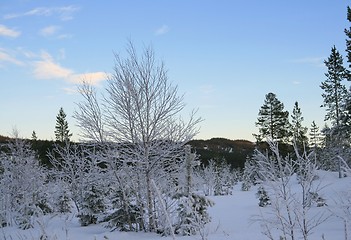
(232, 218)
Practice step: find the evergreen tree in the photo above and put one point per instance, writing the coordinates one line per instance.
(92, 205)
(193, 214)
(345, 119)
(335, 100)
(329, 150)
(299, 132)
(315, 136)
(346, 114)
(273, 121)
(263, 197)
(63, 201)
(249, 175)
(62, 133)
(348, 39)
(34, 136)
(209, 176)
(334, 90)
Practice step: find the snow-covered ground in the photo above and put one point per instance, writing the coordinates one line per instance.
(231, 219)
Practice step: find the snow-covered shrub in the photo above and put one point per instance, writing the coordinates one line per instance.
(124, 213)
(216, 178)
(249, 176)
(77, 167)
(124, 219)
(263, 197)
(92, 205)
(227, 178)
(22, 185)
(342, 202)
(64, 202)
(70, 168)
(290, 208)
(313, 198)
(246, 184)
(208, 176)
(192, 213)
(124, 189)
(59, 195)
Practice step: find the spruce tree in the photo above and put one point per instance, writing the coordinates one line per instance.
(262, 195)
(335, 101)
(346, 114)
(92, 205)
(62, 133)
(273, 121)
(348, 39)
(315, 136)
(298, 130)
(335, 91)
(34, 136)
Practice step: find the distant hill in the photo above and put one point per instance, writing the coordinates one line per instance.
(41, 147)
(3, 139)
(234, 152)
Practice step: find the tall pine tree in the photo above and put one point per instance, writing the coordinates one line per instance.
(62, 133)
(298, 130)
(348, 39)
(34, 136)
(335, 101)
(315, 135)
(335, 91)
(346, 114)
(273, 121)
(315, 139)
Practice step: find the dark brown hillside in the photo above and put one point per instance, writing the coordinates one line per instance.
(41, 147)
(4, 139)
(234, 152)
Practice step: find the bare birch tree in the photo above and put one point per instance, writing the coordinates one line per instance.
(140, 111)
(89, 115)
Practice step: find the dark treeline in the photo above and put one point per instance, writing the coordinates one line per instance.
(233, 152)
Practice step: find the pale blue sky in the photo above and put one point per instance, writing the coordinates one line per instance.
(224, 55)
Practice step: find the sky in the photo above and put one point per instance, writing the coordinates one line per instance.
(224, 56)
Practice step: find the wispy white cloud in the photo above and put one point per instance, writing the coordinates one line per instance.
(315, 61)
(40, 11)
(93, 78)
(64, 36)
(162, 30)
(70, 90)
(64, 13)
(7, 32)
(6, 57)
(47, 68)
(54, 31)
(26, 53)
(49, 30)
